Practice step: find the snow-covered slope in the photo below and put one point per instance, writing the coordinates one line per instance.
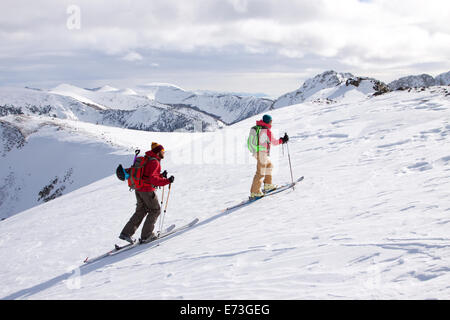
(163, 92)
(331, 86)
(79, 94)
(38, 102)
(423, 80)
(44, 159)
(369, 221)
(105, 97)
(106, 88)
(229, 108)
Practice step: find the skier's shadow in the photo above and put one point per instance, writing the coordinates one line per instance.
(71, 277)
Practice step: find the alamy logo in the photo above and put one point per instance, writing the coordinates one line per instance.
(74, 18)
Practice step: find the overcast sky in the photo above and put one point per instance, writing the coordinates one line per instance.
(258, 46)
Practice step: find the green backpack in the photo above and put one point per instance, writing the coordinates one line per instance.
(253, 140)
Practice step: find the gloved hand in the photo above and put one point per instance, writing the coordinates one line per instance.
(164, 174)
(120, 172)
(285, 138)
(171, 179)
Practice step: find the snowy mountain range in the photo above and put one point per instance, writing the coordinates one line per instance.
(115, 108)
(229, 108)
(150, 107)
(166, 107)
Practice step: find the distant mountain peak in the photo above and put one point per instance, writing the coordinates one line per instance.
(160, 85)
(65, 86)
(107, 88)
(443, 79)
(326, 79)
(422, 80)
(330, 85)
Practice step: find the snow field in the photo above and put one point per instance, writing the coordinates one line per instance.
(370, 220)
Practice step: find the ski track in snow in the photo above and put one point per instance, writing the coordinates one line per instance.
(370, 220)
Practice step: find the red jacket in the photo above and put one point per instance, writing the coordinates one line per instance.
(152, 174)
(266, 137)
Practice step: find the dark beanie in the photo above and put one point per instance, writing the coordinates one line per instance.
(266, 118)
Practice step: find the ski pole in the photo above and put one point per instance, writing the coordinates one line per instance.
(290, 165)
(162, 200)
(165, 208)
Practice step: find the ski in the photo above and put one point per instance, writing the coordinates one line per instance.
(161, 235)
(170, 232)
(170, 228)
(281, 188)
(118, 248)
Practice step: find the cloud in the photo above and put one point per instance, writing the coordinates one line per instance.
(241, 6)
(382, 36)
(132, 56)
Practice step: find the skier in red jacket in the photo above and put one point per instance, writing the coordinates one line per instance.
(147, 201)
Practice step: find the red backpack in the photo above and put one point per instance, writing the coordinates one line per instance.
(135, 174)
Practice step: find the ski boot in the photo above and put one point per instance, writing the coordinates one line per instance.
(268, 187)
(148, 239)
(256, 195)
(127, 238)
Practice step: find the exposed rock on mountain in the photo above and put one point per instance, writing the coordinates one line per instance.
(10, 137)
